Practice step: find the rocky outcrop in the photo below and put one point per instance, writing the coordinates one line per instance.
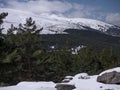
(64, 87)
(109, 78)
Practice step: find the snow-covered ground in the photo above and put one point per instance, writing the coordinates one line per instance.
(81, 81)
(85, 82)
(31, 86)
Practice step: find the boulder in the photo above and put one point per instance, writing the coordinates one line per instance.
(109, 78)
(64, 87)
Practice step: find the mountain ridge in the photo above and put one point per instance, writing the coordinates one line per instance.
(53, 24)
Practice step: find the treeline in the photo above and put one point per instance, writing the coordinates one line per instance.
(23, 57)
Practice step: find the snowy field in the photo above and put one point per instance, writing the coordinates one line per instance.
(81, 81)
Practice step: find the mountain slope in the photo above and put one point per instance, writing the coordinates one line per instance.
(53, 24)
(88, 38)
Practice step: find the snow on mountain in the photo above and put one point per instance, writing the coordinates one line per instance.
(52, 23)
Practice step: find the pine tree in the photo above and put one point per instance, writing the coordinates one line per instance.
(29, 27)
(2, 16)
(25, 42)
(2, 44)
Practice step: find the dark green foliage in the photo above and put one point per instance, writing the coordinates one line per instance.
(2, 36)
(22, 47)
(2, 16)
(88, 38)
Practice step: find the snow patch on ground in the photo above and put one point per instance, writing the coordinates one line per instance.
(40, 84)
(82, 81)
(31, 86)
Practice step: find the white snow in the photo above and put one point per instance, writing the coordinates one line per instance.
(90, 83)
(65, 80)
(31, 86)
(86, 84)
(51, 23)
(40, 84)
(82, 81)
(68, 77)
(77, 49)
(117, 69)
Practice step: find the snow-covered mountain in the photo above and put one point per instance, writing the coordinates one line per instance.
(53, 24)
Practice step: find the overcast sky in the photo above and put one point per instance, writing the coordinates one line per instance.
(105, 10)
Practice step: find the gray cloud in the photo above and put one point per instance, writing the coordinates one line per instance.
(63, 8)
(113, 18)
(55, 6)
(41, 6)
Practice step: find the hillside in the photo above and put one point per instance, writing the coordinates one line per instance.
(75, 38)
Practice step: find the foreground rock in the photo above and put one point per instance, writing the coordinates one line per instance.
(64, 87)
(109, 78)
